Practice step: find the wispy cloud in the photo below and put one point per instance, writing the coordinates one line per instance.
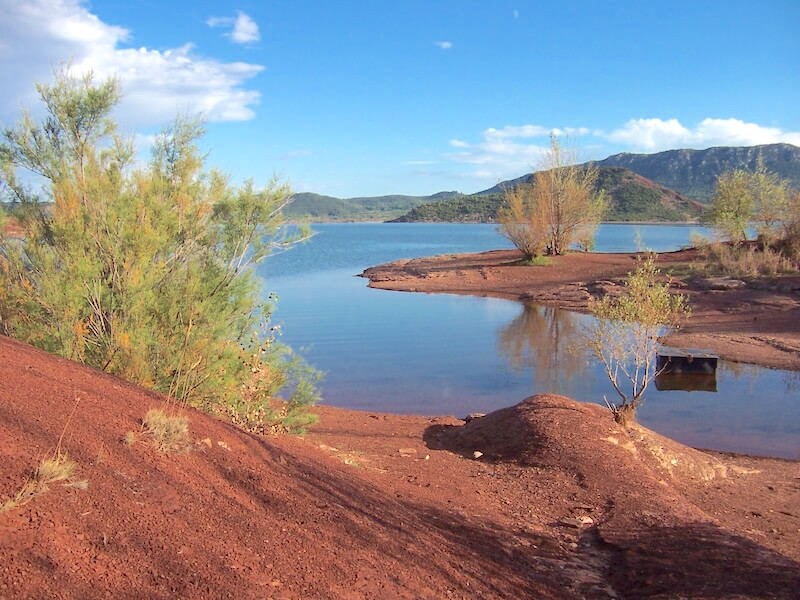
(444, 45)
(157, 84)
(514, 149)
(658, 134)
(508, 151)
(496, 157)
(532, 131)
(515, 13)
(244, 30)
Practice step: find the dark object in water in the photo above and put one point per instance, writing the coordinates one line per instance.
(678, 361)
(689, 382)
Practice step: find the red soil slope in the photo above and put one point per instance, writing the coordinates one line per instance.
(378, 506)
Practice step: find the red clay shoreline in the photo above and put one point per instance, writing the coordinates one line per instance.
(547, 499)
(751, 321)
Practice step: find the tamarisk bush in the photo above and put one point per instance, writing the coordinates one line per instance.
(142, 270)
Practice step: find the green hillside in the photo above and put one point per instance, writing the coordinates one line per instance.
(632, 198)
(642, 187)
(316, 207)
(464, 209)
(694, 172)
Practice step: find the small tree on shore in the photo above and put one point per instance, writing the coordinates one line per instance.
(742, 198)
(625, 335)
(790, 227)
(771, 206)
(732, 205)
(141, 271)
(557, 208)
(522, 222)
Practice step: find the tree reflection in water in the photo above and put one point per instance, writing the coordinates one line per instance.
(549, 342)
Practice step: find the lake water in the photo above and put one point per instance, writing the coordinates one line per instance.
(446, 354)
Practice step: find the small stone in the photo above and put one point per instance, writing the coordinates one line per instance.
(477, 454)
(206, 441)
(222, 444)
(427, 457)
(720, 283)
(580, 521)
(473, 416)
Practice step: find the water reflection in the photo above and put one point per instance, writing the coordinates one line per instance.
(792, 382)
(440, 354)
(547, 341)
(687, 382)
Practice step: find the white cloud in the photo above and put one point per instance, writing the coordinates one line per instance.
(517, 131)
(515, 13)
(244, 30)
(37, 35)
(658, 134)
(496, 156)
(516, 149)
(445, 45)
(509, 151)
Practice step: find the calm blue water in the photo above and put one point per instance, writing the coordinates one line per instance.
(446, 354)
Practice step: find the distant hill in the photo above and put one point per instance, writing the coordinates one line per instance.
(632, 197)
(478, 208)
(643, 187)
(317, 207)
(694, 172)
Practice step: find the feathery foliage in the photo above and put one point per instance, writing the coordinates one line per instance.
(762, 200)
(559, 207)
(625, 335)
(757, 197)
(141, 271)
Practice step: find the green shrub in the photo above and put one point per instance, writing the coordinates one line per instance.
(256, 409)
(625, 335)
(141, 271)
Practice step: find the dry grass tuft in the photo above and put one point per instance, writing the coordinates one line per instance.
(54, 469)
(169, 432)
(748, 259)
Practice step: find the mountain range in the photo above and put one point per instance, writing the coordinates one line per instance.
(694, 173)
(631, 198)
(665, 186)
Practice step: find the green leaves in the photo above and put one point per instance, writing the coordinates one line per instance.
(557, 208)
(732, 206)
(143, 272)
(742, 198)
(625, 336)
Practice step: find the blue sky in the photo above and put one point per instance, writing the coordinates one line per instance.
(365, 98)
